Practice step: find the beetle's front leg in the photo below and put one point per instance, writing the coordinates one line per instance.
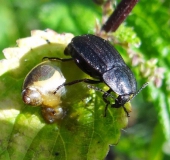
(127, 113)
(105, 95)
(116, 105)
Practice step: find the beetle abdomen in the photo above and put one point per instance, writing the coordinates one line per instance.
(94, 55)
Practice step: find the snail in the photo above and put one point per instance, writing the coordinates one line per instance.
(39, 89)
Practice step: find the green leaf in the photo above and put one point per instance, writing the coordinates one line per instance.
(84, 133)
(76, 17)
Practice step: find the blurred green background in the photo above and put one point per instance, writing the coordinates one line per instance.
(148, 133)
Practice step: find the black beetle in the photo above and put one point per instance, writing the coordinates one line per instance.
(99, 59)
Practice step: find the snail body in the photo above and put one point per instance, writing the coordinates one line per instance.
(39, 90)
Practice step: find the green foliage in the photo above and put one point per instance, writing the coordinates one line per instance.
(85, 133)
(27, 135)
(70, 19)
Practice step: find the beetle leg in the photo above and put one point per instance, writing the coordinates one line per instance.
(57, 59)
(105, 110)
(127, 113)
(117, 106)
(105, 95)
(90, 81)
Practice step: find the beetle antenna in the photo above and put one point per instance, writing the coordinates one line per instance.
(140, 89)
(100, 90)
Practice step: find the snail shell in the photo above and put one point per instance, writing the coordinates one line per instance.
(39, 87)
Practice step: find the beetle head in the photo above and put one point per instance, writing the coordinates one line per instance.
(121, 100)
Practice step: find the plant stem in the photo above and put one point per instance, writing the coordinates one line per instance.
(119, 15)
